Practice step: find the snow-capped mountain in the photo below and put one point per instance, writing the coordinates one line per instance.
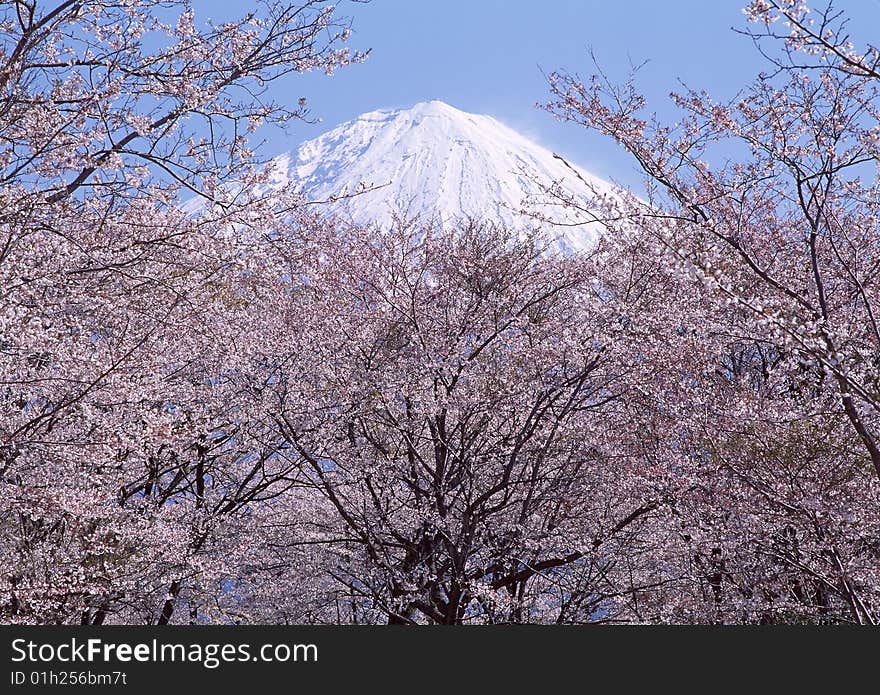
(440, 163)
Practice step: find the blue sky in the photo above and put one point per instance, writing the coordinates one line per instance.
(487, 56)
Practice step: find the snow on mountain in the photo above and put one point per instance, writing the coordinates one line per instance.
(440, 163)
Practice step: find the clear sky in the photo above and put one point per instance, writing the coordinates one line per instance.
(487, 56)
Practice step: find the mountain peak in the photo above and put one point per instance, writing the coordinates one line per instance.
(441, 163)
(435, 107)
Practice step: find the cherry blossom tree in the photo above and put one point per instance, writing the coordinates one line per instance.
(121, 450)
(470, 413)
(770, 202)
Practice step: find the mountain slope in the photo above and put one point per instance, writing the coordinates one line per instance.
(438, 162)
